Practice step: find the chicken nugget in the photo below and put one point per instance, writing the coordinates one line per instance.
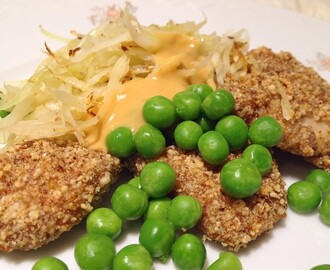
(48, 186)
(232, 222)
(277, 84)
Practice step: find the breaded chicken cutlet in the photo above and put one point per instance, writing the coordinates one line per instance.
(280, 86)
(48, 186)
(232, 222)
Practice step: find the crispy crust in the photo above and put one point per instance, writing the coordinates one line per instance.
(280, 86)
(48, 186)
(232, 222)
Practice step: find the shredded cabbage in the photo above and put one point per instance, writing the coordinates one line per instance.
(65, 93)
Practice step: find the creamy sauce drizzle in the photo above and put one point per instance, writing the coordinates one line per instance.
(176, 66)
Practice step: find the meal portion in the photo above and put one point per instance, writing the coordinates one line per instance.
(100, 80)
(232, 222)
(280, 86)
(48, 186)
(54, 126)
(79, 93)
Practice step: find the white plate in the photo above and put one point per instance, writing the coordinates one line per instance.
(298, 242)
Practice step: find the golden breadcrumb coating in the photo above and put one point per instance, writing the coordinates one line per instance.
(232, 222)
(280, 86)
(48, 186)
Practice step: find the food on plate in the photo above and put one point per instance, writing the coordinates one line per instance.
(49, 262)
(188, 252)
(324, 209)
(149, 141)
(133, 256)
(158, 208)
(232, 222)
(304, 196)
(321, 178)
(120, 142)
(98, 84)
(157, 179)
(48, 186)
(80, 92)
(226, 260)
(219, 184)
(100, 80)
(95, 251)
(129, 202)
(260, 156)
(321, 267)
(159, 111)
(187, 134)
(213, 147)
(184, 212)
(157, 236)
(277, 84)
(104, 220)
(240, 178)
(235, 131)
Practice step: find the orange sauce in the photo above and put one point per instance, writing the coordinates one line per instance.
(176, 66)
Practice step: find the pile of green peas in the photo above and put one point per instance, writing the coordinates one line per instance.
(197, 118)
(164, 232)
(311, 193)
(201, 119)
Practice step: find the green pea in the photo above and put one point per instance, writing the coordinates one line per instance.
(213, 147)
(159, 111)
(324, 210)
(95, 252)
(235, 131)
(188, 105)
(206, 123)
(304, 197)
(321, 267)
(265, 131)
(104, 221)
(202, 89)
(240, 178)
(120, 142)
(188, 252)
(149, 141)
(157, 179)
(226, 261)
(157, 236)
(3, 114)
(320, 178)
(129, 202)
(184, 212)
(260, 157)
(133, 257)
(186, 135)
(218, 104)
(135, 182)
(158, 208)
(49, 263)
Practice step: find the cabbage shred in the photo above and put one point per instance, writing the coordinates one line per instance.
(65, 93)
